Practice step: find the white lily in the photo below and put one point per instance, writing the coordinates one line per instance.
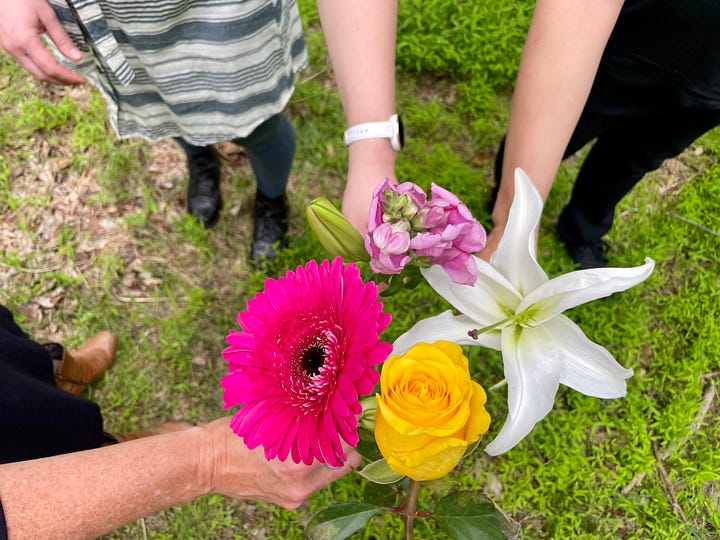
(513, 307)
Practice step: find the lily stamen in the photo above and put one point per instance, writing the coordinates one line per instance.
(477, 331)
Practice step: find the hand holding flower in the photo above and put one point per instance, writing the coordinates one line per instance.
(234, 470)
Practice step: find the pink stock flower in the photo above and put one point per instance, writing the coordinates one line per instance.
(404, 227)
(305, 353)
(382, 209)
(388, 247)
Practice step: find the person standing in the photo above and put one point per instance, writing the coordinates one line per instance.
(200, 72)
(640, 77)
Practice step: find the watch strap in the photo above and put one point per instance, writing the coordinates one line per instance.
(390, 129)
(368, 130)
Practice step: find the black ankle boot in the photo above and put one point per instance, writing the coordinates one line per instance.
(271, 225)
(203, 197)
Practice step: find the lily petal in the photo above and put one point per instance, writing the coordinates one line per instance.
(491, 299)
(448, 327)
(587, 367)
(575, 288)
(533, 363)
(515, 254)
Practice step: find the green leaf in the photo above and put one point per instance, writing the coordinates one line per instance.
(380, 473)
(380, 494)
(339, 521)
(366, 446)
(395, 285)
(413, 282)
(469, 515)
(411, 276)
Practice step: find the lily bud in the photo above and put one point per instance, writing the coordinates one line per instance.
(367, 417)
(334, 232)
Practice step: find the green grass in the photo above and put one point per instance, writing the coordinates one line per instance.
(95, 235)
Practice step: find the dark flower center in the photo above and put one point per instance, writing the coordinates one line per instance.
(312, 359)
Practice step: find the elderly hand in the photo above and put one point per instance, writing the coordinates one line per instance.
(238, 472)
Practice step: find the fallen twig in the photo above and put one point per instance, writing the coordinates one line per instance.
(668, 484)
(142, 299)
(693, 223)
(45, 270)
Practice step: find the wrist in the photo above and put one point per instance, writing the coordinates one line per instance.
(390, 130)
(371, 152)
(209, 457)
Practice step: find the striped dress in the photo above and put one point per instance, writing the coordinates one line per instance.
(202, 70)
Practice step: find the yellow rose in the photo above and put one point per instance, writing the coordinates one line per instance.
(429, 411)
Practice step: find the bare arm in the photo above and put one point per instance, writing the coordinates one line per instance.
(86, 494)
(22, 24)
(562, 52)
(360, 36)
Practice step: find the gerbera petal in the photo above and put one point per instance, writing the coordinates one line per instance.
(515, 254)
(339, 454)
(486, 302)
(348, 430)
(286, 442)
(249, 425)
(315, 448)
(324, 436)
(305, 448)
(339, 405)
(587, 367)
(533, 364)
(448, 327)
(367, 382)
(575, 288)
(273, 437)
(376, 355)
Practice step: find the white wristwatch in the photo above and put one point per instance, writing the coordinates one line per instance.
(392, 129)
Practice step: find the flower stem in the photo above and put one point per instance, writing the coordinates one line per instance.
(410, 508)
(497, 385)
(476, 332)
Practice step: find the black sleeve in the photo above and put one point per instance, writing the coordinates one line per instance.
(3, 527)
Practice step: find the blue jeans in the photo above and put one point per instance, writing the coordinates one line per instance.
(270, 149)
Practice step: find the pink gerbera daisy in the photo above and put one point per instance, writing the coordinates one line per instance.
(306, 352)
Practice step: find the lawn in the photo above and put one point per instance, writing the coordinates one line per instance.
(94, 234)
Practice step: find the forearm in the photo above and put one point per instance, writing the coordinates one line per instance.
(562, 51)
(86, 494)
(360, 36)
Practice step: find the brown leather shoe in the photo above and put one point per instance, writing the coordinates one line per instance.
(167, 427)
(84, 366)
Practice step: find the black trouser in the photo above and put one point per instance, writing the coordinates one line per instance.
(636, 130)
(37, 419)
